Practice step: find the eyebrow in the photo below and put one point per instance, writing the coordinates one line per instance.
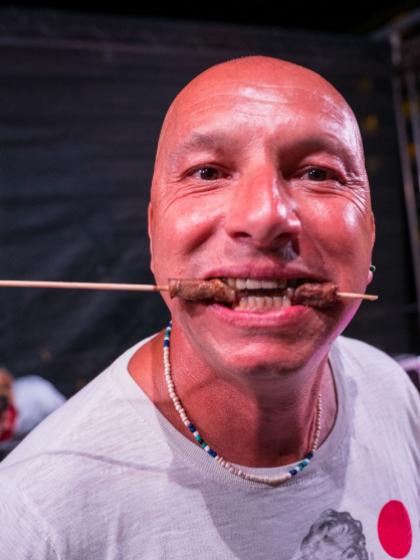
(199, 140)
(217, 141)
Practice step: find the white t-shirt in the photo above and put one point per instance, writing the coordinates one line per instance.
(107, 477)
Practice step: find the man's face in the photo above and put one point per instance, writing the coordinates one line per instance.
(263, 180)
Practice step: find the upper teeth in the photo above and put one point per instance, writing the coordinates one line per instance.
(252, 284)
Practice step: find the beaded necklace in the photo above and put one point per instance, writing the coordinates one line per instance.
(231, 468)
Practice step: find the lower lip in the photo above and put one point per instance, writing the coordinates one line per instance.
(282, 317)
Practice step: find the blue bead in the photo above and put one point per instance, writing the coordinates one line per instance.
(166, 343)
(191, 427)
(212, 453)
(309, 455)
(293, 472)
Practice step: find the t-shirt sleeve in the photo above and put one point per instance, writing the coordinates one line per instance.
(23, 532)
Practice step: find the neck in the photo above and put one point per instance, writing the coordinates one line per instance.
(261, 424)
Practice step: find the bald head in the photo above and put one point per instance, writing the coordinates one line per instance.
(246, 76)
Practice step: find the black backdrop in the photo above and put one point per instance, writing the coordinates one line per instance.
(82, 101)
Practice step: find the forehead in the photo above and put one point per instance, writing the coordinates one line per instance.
(249, 112)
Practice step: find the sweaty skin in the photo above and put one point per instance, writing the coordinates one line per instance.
(280, 188)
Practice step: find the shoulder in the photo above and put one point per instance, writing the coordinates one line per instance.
(77, 423)
(48, 449)
(362, 355)
(91, 423)
(376, 373)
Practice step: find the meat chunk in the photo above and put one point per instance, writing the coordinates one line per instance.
(196, 290)
(315, 294)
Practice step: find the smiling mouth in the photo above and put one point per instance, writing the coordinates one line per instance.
(262, 295)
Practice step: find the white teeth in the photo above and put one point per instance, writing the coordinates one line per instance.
(278, 301)
(268, 302)
(262, 303)
(286, 301)
(271, 284)
(253, 284)
(255, 302)
(240, 284)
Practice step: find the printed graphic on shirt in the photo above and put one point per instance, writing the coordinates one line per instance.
(394, 529)
(336, 535)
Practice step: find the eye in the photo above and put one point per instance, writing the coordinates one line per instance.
(319, 174)
(207, 173)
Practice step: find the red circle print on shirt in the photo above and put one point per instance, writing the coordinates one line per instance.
(394, 529)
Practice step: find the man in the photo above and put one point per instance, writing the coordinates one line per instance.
(254, 431)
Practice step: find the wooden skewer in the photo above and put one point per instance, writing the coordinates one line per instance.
(127, 287)
(81, 285)
(353, 295)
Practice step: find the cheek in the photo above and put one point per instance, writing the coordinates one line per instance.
(182, 233)
(342, 234)
(186, 225)
(338, 221)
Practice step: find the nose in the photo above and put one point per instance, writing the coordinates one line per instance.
(261, 210)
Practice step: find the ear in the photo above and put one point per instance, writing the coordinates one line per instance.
(373, 237)
(149, 232)
(372, 223)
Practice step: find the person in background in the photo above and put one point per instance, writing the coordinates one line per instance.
(24, 402)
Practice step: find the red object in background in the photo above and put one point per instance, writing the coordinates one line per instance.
(8, 423)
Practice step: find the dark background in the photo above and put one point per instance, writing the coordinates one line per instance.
(352, 18)
(83, 97)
